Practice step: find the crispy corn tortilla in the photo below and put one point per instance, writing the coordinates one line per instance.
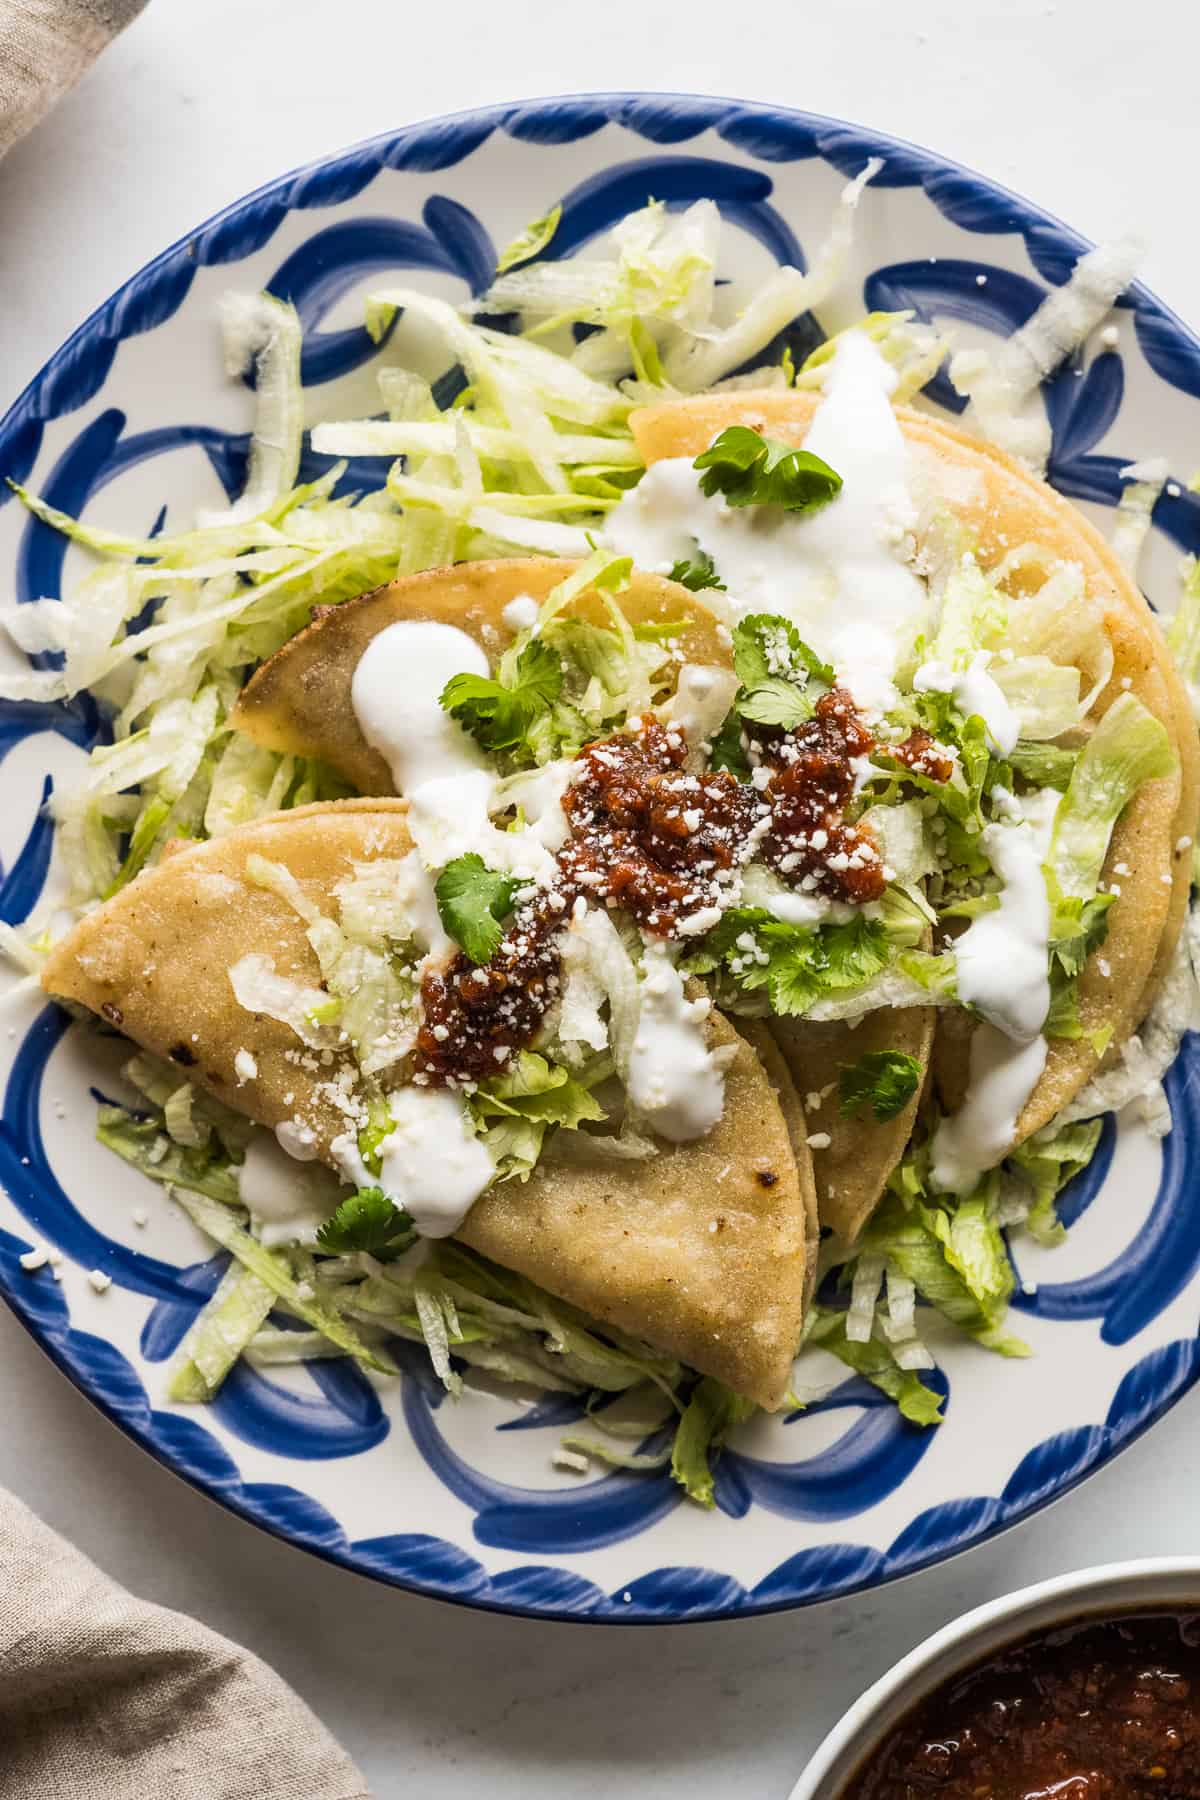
(1003, 507)
(299, 700)
(758, 1035)
(851, 1169)
(701, 1249)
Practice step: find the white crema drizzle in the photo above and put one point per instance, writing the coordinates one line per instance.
(1001, 962)
(431, 1164)
(840, 573)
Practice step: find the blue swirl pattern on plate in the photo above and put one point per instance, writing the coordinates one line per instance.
(734, 153)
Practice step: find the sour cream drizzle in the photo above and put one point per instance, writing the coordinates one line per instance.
(431, 1163)
(288, 1199)
(395, 695)
(840, 573)
(975, 693)
(674, 1080)
(1001, 964)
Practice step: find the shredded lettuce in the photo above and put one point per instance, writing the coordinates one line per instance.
(145, 1145)
(264, 333)
(711, 1413)
(953, 1253)
(220, 1334)
(1047, 1161)
(1143, 1059)
(915, 350)
(697, 362)
(973, 615)
(1135, 509)
(1128, 747)
(513, 1112)
(1002, 385)
(874, 1360)
(274, 1270)
(530, 242)
(1183, 633)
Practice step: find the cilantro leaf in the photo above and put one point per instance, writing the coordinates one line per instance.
(767, 644)
(775, 667)
(796, 966)
(697, 573)
(775, 702)
(752, 470)
(369, 1221)
(806, 965)
(884, 1080)
(498, 714)
(472, 900)
(727, 751)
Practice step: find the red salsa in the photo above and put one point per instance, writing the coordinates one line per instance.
(648, 836)
(808, 843)
(663, 843)
(1098, 1710)
(924, 756)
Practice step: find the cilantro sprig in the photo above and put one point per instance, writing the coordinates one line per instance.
(796, 966)
(884, 1080)
(697, 573)
(500, 714)
(752, 470)
(472, 902)
(781, 678)
(367, 1220)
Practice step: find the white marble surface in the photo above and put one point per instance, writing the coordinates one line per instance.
(1086, 106)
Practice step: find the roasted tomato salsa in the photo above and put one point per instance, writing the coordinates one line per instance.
(1098, 1710)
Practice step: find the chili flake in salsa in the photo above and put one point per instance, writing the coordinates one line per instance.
(1103, 1709)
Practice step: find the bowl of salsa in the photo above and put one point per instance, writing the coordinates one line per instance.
(1086, 1687)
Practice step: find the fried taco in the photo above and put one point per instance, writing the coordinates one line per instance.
(688, 813)
(215, 960)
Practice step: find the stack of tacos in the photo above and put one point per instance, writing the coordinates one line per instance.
(707, 837)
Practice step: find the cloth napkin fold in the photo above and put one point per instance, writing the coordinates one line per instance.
(106, 1697)
(45, 46)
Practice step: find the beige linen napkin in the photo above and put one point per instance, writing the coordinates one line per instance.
(45, 46)
(104, 1697)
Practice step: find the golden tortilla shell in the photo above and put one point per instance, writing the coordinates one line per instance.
(701, 1250)
(862, 1151)
(1004, 506)
(298, 701)
(757, 1034)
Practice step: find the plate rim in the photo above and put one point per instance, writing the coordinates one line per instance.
(587, 111)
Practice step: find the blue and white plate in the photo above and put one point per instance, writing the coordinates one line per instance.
(132, 419)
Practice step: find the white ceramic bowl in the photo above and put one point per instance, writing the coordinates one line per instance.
(1166, 1582)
